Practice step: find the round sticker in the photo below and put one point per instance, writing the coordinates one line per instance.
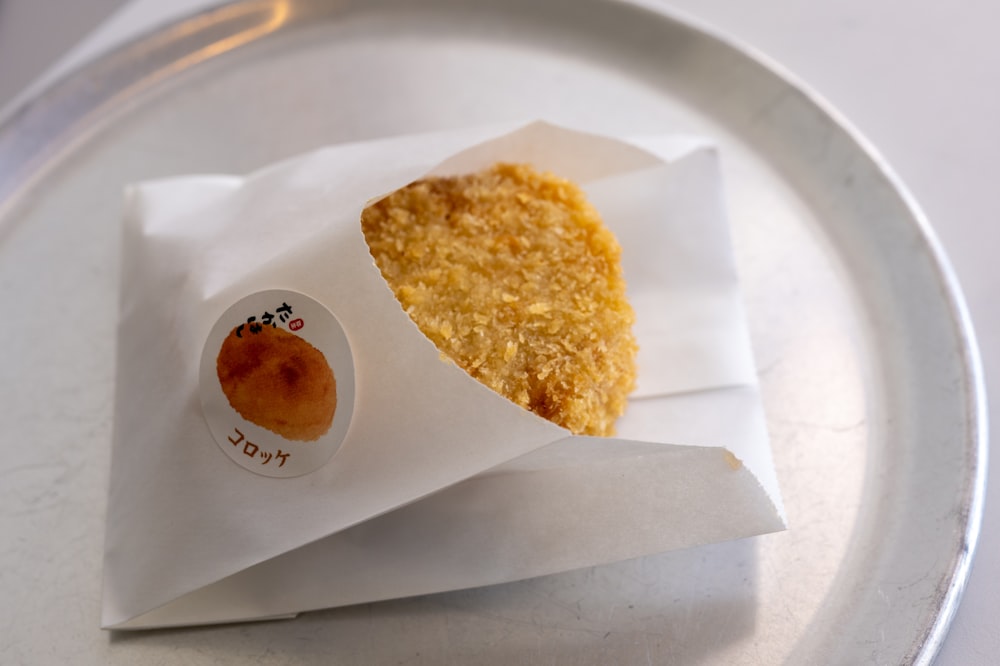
(277, 383)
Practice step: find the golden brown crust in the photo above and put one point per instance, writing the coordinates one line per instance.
(278, 381)
(513, 276)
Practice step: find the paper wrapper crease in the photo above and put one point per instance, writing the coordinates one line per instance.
(439, 483)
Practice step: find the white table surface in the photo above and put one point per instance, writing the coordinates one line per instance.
(920, 79)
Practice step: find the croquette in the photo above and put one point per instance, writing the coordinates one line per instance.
(512, 274)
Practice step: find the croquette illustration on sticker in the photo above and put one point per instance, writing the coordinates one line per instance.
(277, 383)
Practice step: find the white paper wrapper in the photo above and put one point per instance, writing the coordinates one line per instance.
(439, 483)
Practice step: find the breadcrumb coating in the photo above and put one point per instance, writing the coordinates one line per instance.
(513, 276)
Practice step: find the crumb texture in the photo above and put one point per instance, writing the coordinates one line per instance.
(513, 276)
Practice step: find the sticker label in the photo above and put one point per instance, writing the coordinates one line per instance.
(277, 383)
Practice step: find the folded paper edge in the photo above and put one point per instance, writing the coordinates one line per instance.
(768, 523)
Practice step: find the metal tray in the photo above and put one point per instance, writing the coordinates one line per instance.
(869, 369)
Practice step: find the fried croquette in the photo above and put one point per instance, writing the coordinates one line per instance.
(514, 277)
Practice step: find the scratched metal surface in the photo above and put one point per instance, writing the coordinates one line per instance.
(868, 368)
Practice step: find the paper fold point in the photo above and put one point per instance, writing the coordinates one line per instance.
(439, 483)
